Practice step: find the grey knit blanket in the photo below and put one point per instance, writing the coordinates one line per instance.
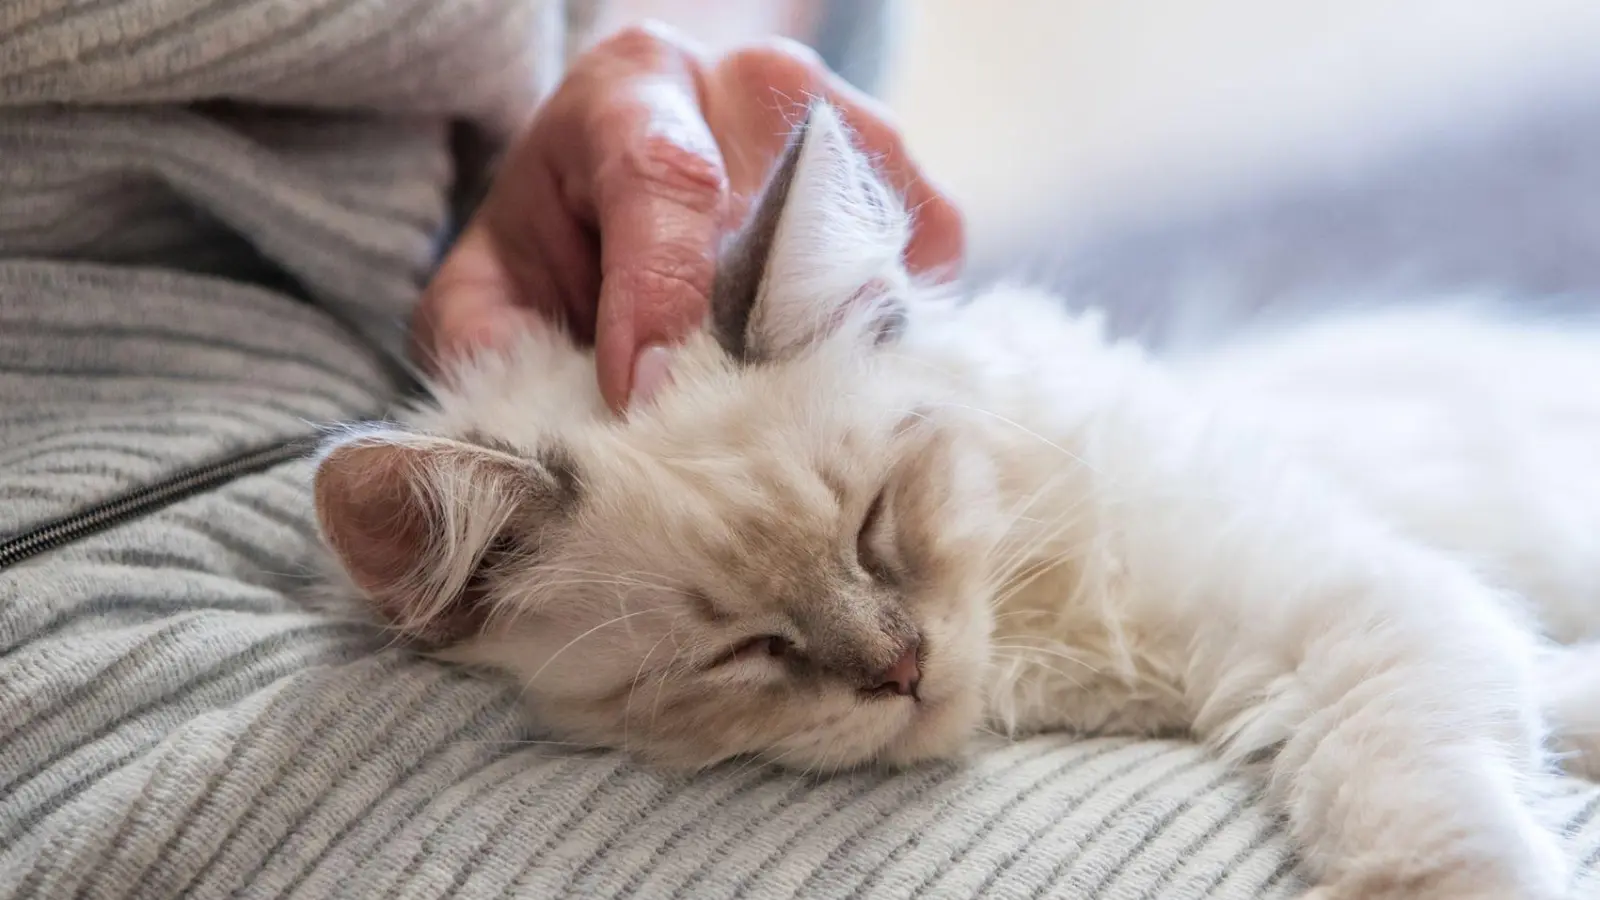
(213, 215)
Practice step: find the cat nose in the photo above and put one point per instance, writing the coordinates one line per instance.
(904, 675)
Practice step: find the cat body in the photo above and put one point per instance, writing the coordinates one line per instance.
(1464, 431)
(867, 519)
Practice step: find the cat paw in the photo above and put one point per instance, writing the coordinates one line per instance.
(1516, 863)
(1439, 884)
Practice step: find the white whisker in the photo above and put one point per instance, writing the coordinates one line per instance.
(1023, 429)
(569, 644)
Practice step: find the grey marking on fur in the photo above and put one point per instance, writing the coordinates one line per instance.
(743, 265)
(891, 323)
(489, 441)
(555, 462)
(563, 470)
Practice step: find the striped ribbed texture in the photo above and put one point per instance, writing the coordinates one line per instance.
(175, 261)
(409, 57)
(174, 724)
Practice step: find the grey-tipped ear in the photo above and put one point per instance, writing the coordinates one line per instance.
(424, 525)
(822, 250)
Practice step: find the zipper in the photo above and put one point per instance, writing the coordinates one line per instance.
(144, 500)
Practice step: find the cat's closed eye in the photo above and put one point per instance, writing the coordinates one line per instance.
(769, 645)
(868, 556)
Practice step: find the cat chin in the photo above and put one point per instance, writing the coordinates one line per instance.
(941, 727)
(935, 731)
(940, 730)
(923, 742)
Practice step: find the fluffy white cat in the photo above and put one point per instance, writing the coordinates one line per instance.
(864, 520)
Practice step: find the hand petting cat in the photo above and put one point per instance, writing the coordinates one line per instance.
(609, 209)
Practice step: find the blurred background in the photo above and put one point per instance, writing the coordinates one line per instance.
(1189, 163)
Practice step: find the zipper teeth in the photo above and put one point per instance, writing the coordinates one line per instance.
(148, 499)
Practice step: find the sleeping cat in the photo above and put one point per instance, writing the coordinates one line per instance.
(863, 520)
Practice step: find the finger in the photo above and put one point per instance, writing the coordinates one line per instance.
(658, 258)
(659, 188)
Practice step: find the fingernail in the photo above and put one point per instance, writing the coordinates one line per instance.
(652, 369)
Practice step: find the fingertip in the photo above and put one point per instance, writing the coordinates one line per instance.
(938, 243)
(652, 370)
(614, 348)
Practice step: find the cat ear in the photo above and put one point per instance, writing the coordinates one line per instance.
(422, 524)
(822, 251)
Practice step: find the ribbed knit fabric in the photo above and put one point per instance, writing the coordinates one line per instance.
(204, 206)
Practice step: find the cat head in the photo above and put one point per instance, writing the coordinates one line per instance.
(781, 552)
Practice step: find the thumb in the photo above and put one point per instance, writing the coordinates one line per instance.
(469, 305)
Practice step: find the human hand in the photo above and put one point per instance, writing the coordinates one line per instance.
(609, 208)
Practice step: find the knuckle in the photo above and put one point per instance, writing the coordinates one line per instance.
(674, 264)
(666, 169)
(663, 278)
(670, 287)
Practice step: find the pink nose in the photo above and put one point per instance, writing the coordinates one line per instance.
(903, 677)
